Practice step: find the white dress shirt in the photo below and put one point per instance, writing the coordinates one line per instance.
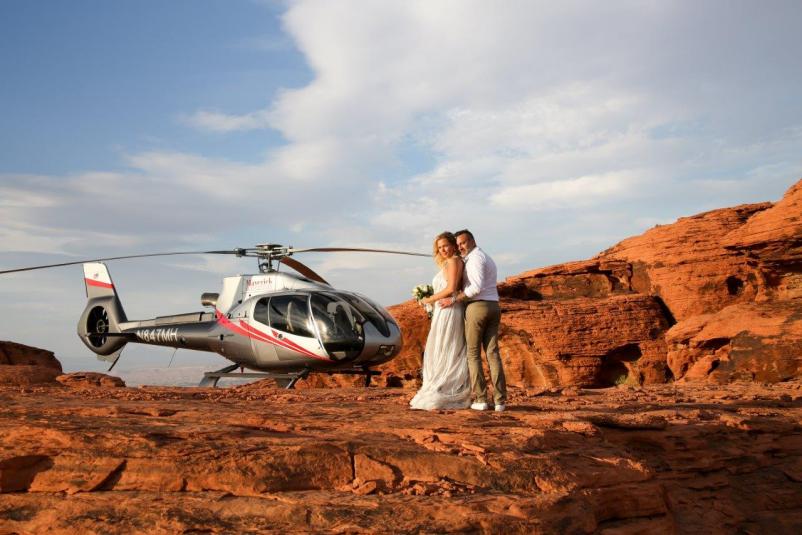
(480, 276)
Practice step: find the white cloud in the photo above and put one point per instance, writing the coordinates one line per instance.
(215, 121)
(22, 198)
(561, 193)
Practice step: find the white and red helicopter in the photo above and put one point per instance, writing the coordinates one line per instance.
(282, 325)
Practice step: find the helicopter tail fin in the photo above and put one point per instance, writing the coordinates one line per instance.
(99, 326)
(97, 280)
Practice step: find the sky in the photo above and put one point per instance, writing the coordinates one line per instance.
(551, 129)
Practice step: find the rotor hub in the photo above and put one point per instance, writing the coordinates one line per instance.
(270, 252)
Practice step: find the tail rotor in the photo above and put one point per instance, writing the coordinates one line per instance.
(99, 326)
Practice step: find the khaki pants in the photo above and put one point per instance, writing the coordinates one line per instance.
(482, 319)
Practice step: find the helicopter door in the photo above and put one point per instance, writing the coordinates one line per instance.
(265, 353)
(292, 324)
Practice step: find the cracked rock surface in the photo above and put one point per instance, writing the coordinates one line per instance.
(695, 458)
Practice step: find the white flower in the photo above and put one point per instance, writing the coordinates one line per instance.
(421, 291)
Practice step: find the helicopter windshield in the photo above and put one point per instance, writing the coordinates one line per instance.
(367, 309)
(339, 325)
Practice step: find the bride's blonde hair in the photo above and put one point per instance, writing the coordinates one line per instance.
(439, 260)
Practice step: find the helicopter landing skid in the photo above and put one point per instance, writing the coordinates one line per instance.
(210, 379)
(285, 380)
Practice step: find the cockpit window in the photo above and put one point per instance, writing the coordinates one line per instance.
(290, 314)
(260, 311)
(380, 309)
(339, 324)
(368, 310)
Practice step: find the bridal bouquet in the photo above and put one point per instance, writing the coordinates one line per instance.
(422, 291)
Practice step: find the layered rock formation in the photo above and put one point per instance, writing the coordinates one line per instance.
(26, 365)
(716, 296)
(22, 365)
(258, 459)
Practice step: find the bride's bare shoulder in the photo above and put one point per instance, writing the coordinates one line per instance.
(456, 260)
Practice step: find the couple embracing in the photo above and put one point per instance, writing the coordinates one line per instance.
(466, 319)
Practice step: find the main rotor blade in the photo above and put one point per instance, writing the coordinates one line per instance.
(238, 252)
(353, 249)
(303, 269)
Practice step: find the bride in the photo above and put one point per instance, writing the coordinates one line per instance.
(446, 383)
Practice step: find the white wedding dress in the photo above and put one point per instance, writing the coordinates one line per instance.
(446, 383)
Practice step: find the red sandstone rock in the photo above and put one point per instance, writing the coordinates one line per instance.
(606, 320)
(13, 354)
(686, 265)
(752, 342)
(22, 365)
(772, 240)
(90, 379)
(261, 459)
(21, 375)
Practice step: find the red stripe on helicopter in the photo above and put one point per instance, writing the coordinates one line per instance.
(284, 342)
(249, 332)
(225, 322)
(92, 282)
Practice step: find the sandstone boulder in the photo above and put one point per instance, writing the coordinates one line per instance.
(90, 380)
(12, 354)
(22, 365)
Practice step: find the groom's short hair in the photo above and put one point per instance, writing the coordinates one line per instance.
(465, 231)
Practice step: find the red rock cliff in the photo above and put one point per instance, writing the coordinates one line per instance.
(24, 365)
(716, 296)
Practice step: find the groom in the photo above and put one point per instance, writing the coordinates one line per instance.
(482, 318)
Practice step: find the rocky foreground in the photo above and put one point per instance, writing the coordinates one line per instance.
(78, 458)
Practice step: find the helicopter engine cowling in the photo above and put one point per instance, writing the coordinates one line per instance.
(209, 299)
(99, 323)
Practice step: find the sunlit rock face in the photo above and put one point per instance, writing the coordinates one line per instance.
(90, 380)
(26, 365)
(712, 297)
(22, 365)
(258, 459)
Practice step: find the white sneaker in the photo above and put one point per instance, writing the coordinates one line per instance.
(479, 406)
(500, 407)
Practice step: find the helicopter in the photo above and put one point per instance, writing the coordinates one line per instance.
(283, 325)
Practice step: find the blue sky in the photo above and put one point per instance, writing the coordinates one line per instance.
(85, 81)
(552, 130)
